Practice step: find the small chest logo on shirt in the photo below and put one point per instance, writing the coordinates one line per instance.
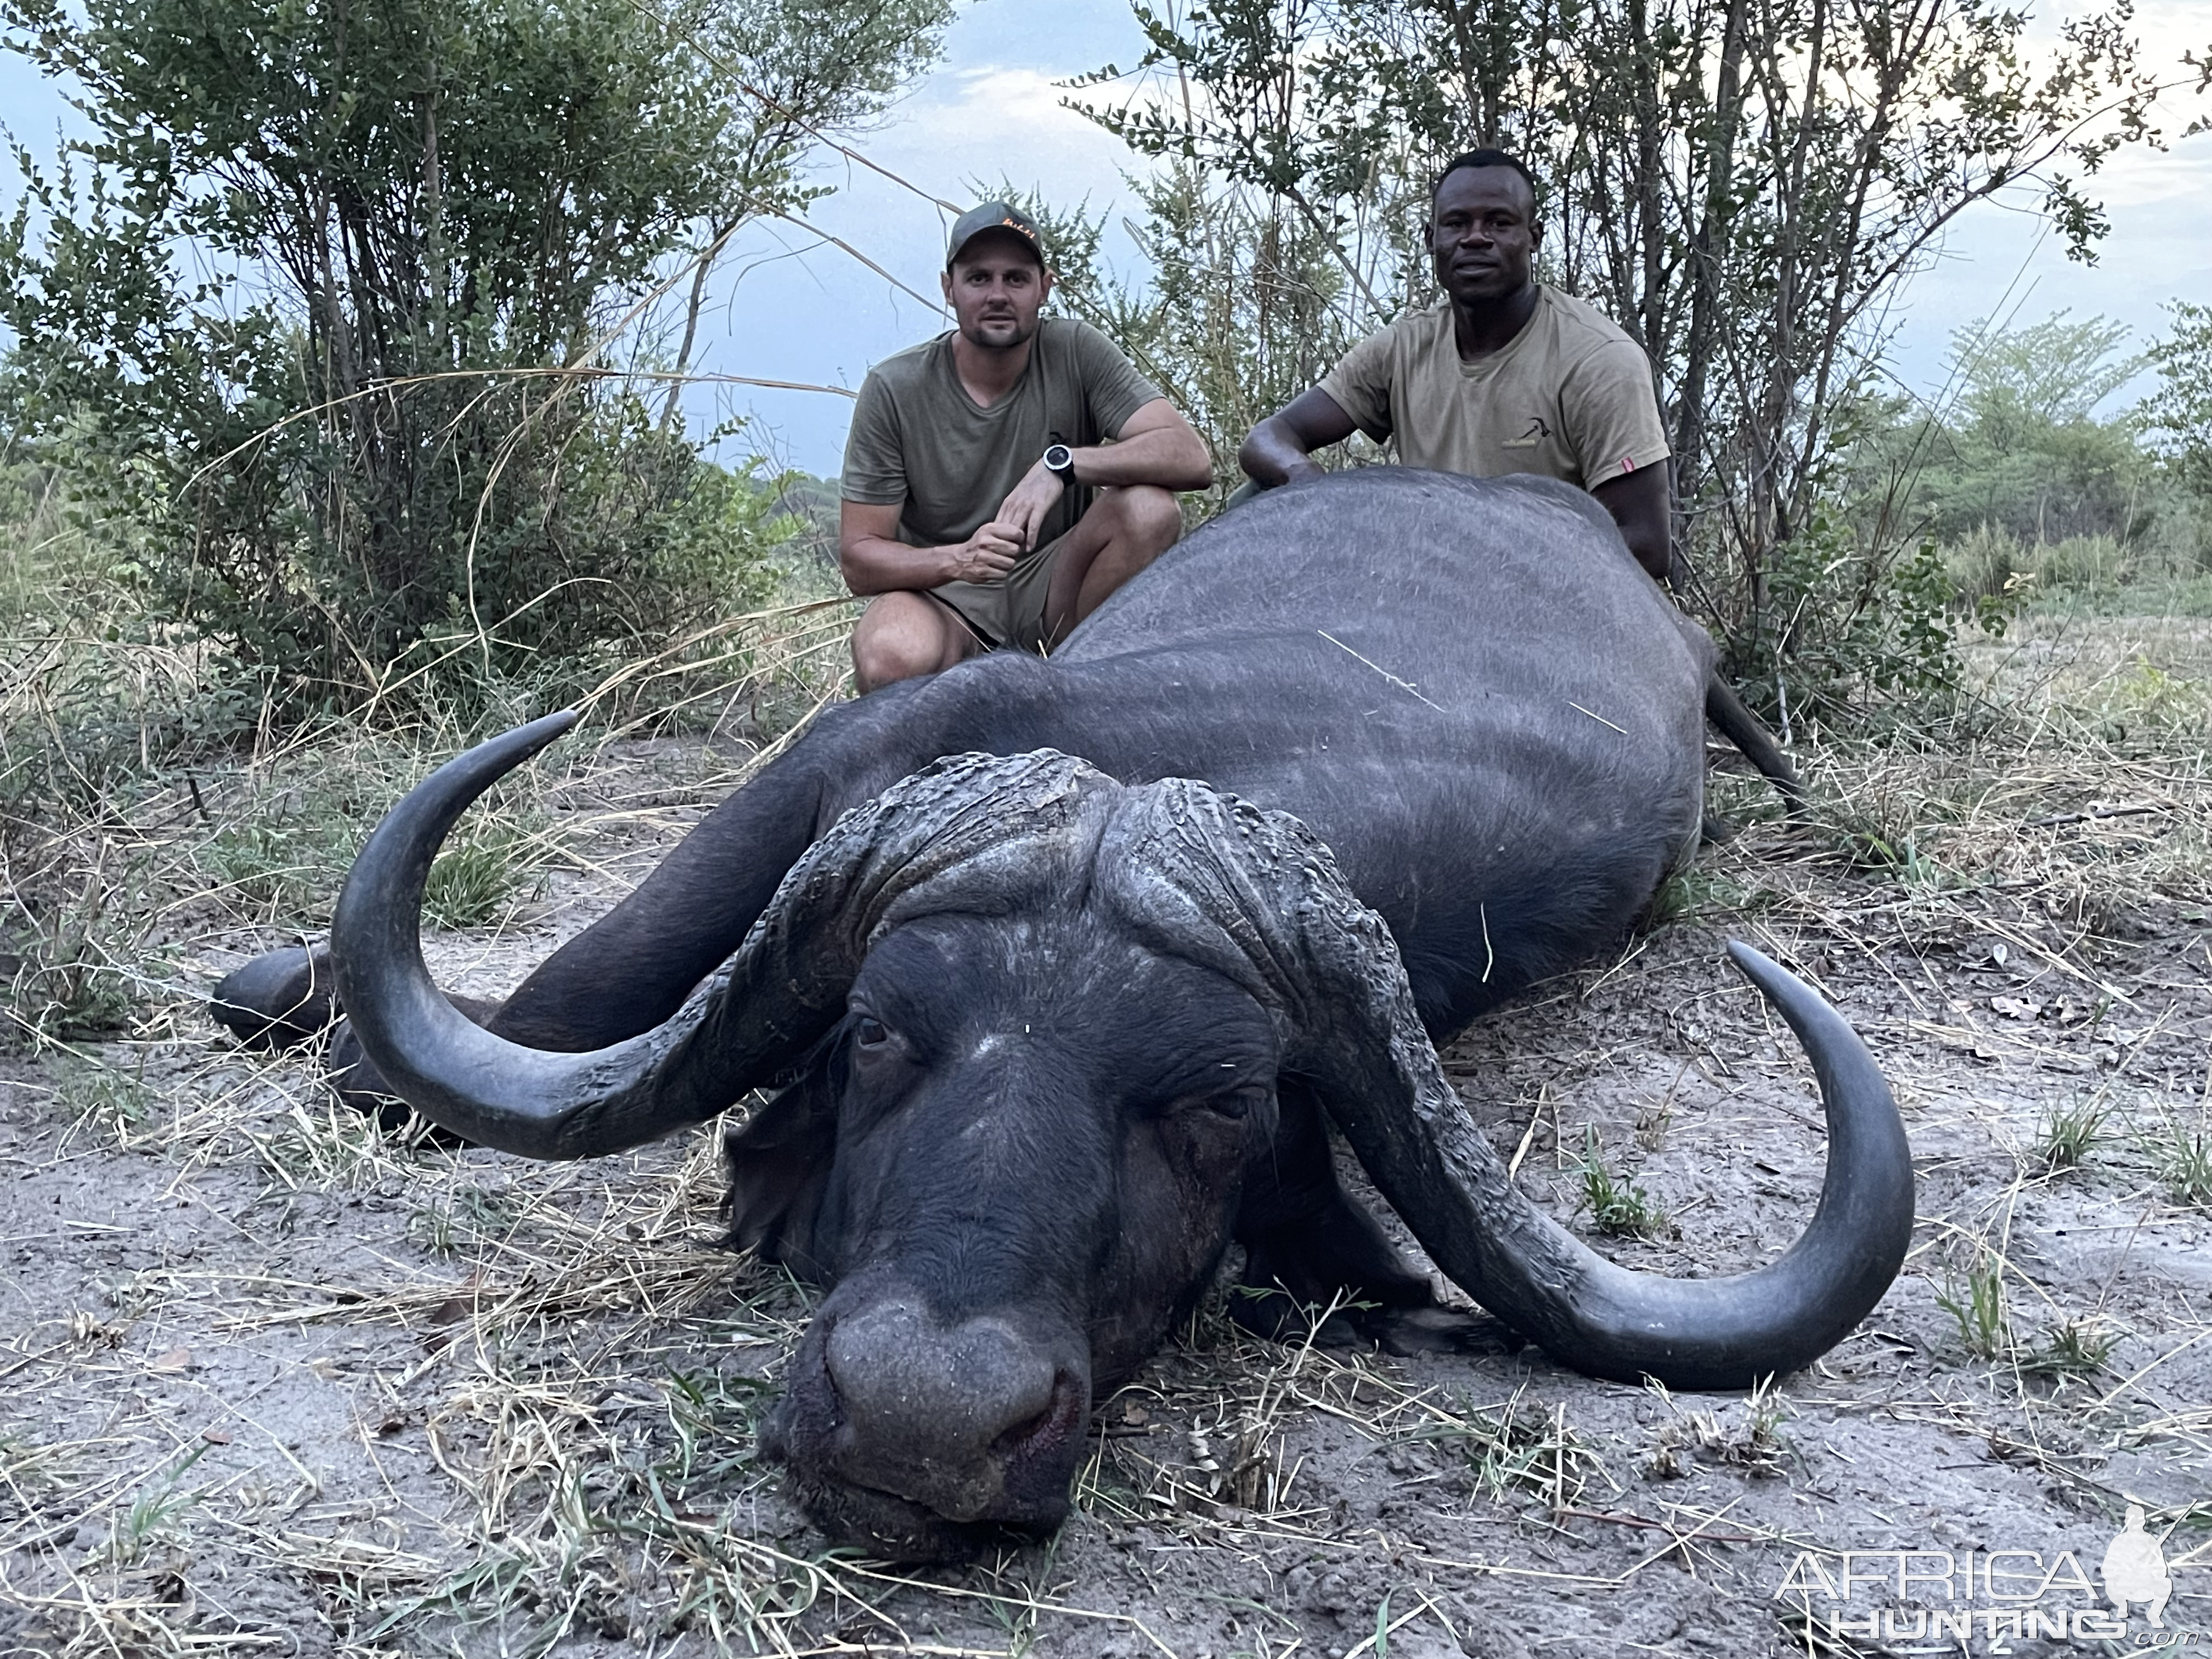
(1537, 432)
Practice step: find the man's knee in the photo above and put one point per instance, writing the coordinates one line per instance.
(1152, 517)
(899, 637)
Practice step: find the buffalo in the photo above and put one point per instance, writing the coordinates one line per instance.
(1060, 969)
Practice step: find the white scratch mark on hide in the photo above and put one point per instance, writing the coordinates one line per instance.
(1403, 685)
(1595, 715)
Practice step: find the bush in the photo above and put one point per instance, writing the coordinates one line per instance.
(319, 329)
(1990, 564)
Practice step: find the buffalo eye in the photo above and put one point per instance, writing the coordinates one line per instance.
(869, 1032)
(1236, 1105)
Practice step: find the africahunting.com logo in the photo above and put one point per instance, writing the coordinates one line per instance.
(1984, 1601)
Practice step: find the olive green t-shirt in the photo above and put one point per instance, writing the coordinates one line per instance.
(920, 442)
(1568, 397)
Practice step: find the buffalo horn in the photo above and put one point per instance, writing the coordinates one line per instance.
(1376, 1069)
(781, 990)
(1289, 927)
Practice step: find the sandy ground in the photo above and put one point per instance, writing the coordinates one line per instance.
(275, 1381)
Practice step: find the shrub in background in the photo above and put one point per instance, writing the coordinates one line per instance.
(318, 326)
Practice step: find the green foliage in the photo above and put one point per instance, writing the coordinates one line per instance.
(1517, 1447)
(2070, 1132)
(63, 987)
(2179, 414)
(1618, 1204)
(1978, 1305)
(285, 864)
(2186, 1161)
(154, 1512)
(318, 326)
(1700, 892)
(2023, 452)
(2019, 384)
(475, 876)
(2025, 487)
(473, 1216)
(1742, 189)
(1849, 610)
(2074, 1347)
(116, 1103)
(1991, 567)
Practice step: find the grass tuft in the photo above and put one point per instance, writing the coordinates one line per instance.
(1978, 1304)
(2072, 1348)
(115, 1104)
(2070, 1132)
(475, 876)
(2185, 1163)
(1619, 1206)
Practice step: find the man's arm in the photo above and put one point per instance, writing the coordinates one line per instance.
(874, 560)
(1642, 504)
(1155, 446)
(1281, 447)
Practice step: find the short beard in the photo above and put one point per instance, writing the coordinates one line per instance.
(1021, 338)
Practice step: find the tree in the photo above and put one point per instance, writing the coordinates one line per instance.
(323, 315)
(2178, 414)
(1742, 188)
(1242, 312)
(2021, 452)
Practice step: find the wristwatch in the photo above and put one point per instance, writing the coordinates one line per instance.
(1060, 461)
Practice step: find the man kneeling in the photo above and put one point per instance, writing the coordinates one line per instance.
(983, 507)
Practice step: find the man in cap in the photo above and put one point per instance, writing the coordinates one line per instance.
(1003, 478)
(1501, 375)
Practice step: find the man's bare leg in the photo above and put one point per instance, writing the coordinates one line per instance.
(1127, 528)
(903, 635)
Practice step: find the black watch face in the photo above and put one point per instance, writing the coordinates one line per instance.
(1059, 458)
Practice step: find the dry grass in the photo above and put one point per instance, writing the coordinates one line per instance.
(281, 1380)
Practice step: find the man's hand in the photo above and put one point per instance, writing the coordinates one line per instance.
(993, 550)
(1025, 508)
(875, 560)
(1279, 449)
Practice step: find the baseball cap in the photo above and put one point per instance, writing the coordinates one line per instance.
(993, 216)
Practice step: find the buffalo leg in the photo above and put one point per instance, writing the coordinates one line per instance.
(1308, 1243)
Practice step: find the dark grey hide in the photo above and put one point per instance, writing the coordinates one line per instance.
(1061, 1016)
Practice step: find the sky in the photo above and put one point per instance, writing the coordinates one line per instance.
(787, 307)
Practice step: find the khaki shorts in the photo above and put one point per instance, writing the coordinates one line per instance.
(1009, 614)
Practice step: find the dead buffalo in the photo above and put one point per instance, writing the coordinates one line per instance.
(1062, 967)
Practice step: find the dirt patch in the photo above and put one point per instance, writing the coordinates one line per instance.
(277, 1382)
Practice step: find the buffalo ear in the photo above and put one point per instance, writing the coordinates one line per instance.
(778, 1164)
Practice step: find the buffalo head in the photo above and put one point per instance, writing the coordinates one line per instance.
(1032, 1025)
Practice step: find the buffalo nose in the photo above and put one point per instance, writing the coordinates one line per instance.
(927, 1404)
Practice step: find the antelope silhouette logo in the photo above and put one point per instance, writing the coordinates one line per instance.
(2135, 1571)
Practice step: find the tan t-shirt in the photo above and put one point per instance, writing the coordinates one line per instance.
(1568, 397)
(920, 443)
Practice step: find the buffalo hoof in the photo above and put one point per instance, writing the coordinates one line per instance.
(1418, 1328)
(1436, 1329)
(279, 998)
